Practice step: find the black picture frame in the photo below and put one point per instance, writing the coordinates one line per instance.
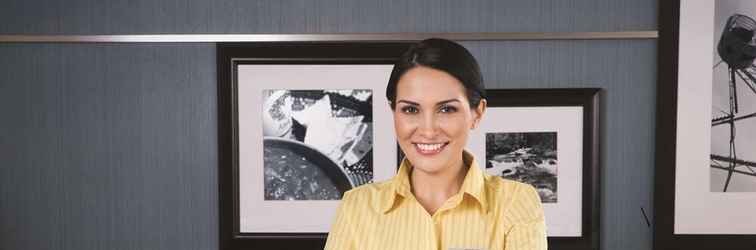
(229, 55)
(589, 100)
(666, 137)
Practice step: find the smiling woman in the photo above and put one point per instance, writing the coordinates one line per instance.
(431, 126)
(440, 198)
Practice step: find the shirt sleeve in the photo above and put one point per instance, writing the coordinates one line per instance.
(528, 231)
(340, 236)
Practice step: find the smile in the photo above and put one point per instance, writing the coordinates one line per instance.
(429, 148)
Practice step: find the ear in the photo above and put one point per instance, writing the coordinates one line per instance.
(478, 113)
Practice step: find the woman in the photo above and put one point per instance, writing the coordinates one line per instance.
(439, 199)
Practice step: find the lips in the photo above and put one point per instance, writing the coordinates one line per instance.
(430, 148)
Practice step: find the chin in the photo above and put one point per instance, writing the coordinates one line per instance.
(431, 162)
(428, 166)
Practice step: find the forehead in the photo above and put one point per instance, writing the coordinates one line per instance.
(424, 84)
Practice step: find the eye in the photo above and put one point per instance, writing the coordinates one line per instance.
(447, 109)
(409, 109)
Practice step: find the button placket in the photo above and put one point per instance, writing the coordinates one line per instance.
(437, 229)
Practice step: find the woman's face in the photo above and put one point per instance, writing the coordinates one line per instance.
(432, 118)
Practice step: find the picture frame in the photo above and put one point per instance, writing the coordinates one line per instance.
(264, 87)
(696, 204)
(525, 118)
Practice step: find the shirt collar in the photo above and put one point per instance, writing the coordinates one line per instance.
(473, 184)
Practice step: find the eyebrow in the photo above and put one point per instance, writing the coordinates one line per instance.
(437, 104)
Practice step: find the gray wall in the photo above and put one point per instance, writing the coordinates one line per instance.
(113, 146)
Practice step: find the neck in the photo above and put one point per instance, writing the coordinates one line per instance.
(433, 189)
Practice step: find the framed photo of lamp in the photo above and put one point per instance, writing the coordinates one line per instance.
(548, 138)
(299, 124)
(705, 182)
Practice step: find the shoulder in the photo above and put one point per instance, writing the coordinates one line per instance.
(368, 190)
(371, 195)
(505, 188)
(515, 201)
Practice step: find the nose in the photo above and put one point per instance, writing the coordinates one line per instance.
(428, 126)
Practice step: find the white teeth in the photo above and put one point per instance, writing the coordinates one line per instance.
(430, 147)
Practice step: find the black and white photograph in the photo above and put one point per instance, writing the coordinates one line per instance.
(546, 138)
(317, 143)
(529, 157)
(733, 89)
(307, 134)
(705, 173)
(301, 125)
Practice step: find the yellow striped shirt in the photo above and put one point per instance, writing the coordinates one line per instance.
(488, 213)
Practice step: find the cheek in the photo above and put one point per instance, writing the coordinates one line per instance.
(459, 119)
(403, 126)
(457, 126)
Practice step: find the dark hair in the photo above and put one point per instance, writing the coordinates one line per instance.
(444, 55)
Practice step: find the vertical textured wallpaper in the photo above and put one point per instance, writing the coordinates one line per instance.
(108, 147)
(323, 16)
(113, 146)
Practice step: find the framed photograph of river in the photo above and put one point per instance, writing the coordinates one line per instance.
(547, 138)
